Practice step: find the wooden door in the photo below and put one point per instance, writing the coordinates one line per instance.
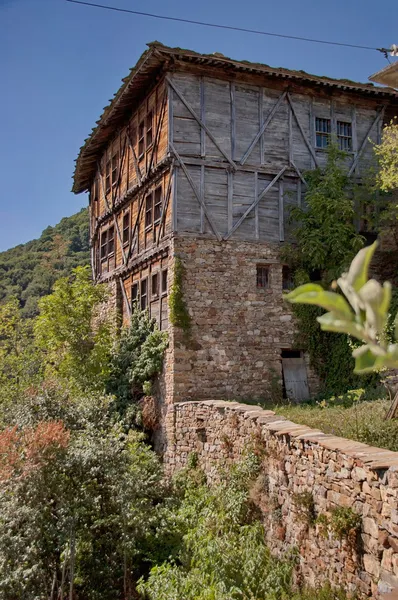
(295, 378)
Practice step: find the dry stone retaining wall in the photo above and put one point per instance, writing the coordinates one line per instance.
(296, 459)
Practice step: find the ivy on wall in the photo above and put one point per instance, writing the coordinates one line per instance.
(327, 241)
(178, 311)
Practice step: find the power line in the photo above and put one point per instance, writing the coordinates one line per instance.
(230, 27)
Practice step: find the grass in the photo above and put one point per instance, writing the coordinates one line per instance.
(357, 415)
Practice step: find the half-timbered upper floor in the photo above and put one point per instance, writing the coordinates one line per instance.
(204, 145)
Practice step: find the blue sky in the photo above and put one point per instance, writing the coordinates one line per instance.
(60, 63)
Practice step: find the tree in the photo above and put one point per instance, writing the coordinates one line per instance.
(74, 346)
(79, 500)
(324, 230)
(19, 361)
(387, 153)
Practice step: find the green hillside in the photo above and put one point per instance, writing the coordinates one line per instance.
(29, 270)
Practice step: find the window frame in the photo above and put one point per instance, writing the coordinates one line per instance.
(104, 245)
(155, 288)
(111, 240)
(266, 270)
(134, 295)
(144, 296)
(141, 139)
(324, 135)
(126, 228)
(344, 136)
(164, 281)
(157, 204)
(149, 118)
(149, 211)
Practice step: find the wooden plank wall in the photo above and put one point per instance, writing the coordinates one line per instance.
(216, 122)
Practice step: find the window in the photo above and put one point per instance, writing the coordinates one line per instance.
(148, 210)
(164, 281)
(108, 177)
(111, 240)
(155, 285)
(157, 209)
(104, 248)
(287, 278)
(126, 228)
(262, 276)
(134, 296)
(322, 131)
(344, 136)
(149, 124)
(141, 138)
(115, 168)
(144, 294)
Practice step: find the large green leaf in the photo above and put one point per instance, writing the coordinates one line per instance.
(331, 321)
(365, 360)
(357, 275)
(376, 300)
(315, 294)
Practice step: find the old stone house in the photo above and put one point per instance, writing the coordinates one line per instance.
(198, 158)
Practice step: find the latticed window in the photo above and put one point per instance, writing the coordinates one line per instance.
(262, 276)
(323, 130)
(115, 168)
(344, 135)
(144, 294)
(104, 244)
(111, 240)
(141, 138)
(126, 228)
(157, 209)
(155, 285)
(149, 128)
(108, 177)
(148, 210)
(134, 295)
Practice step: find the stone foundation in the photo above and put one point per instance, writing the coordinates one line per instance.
(238, 329)
(335, 471)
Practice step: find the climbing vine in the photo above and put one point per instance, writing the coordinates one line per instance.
(327, 241)
(178, 311)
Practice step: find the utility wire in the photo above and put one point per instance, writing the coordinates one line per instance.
(230, 27)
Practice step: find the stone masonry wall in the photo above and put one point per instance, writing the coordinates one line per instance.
(337, 473)
(238, 329)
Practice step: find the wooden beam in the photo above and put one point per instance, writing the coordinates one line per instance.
(158, 131)
(202, 195)
(136, 224)
(309, 146)
(197, 194)
(202, 117)
(230, 184)
(174, 219)
(312, 130)
(354, 135)
(281, 213)
(260, 120)
(201, 124)
(290, 125)
(233, 118)
(299, 193)
(259, 197)
(366, 140)
(170, 125)
(114, 217)
(256, 215)
(125, 298)
(299, 173)
(135, 160)
(262, 129)
(165, 203)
